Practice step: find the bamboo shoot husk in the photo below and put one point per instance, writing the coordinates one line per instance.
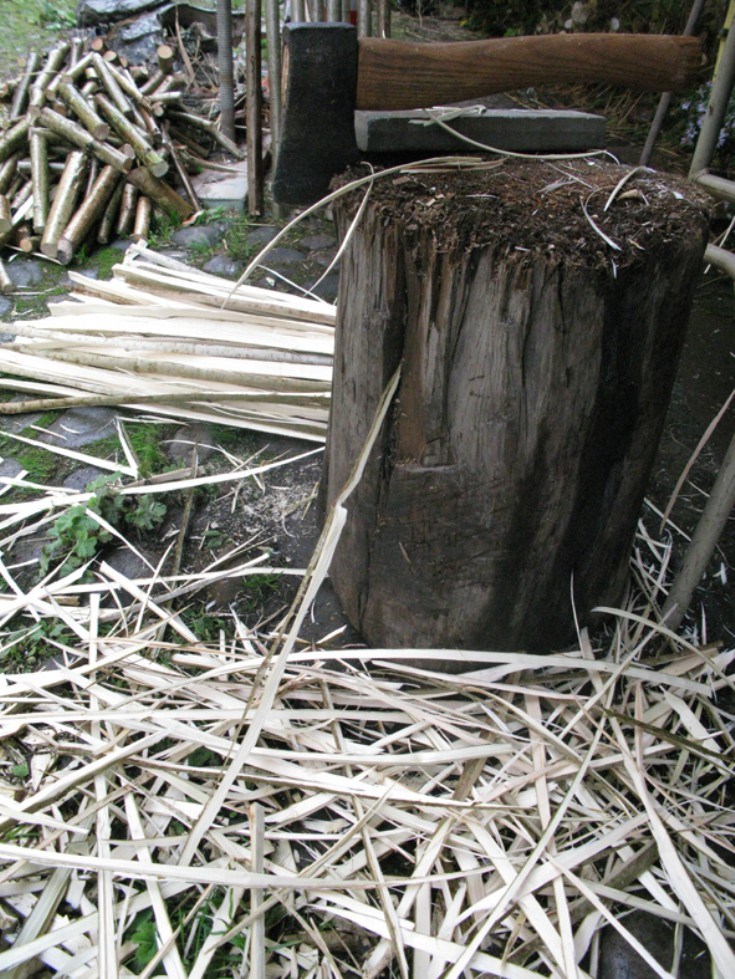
(152, 160)
(87, 215)
(39, 179)
(160, 193)
(83, 110)
(84, 140)
(20, 96)
(63, 203)
(143, 212)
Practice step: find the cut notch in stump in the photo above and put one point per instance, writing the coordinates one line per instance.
(539, 333)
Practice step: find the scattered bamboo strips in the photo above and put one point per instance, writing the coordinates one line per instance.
(348, 813)
(264, 364)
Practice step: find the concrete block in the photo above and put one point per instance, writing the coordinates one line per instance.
(217, 189)
(521, 130)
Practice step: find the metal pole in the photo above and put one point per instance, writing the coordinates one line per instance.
(224, 65)
(254, 107)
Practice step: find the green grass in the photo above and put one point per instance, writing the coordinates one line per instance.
(30, 25)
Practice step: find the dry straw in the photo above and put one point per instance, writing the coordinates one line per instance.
(260, 807)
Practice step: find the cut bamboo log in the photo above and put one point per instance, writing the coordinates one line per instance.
(154, 82)
(39, 179)
(88, 214)
(22, 90)
(6, 221)
(143, 212)
(54, 61)
(187, 119)
(28, 242)
(14, 138)
(63, 204)
(7, 172)
(85, 140)
(109, 83)
(109, 218)
(127, 210)
(22, 196)
(6, 283)
(83, 110)
(150, 158)
(539, 345)
(165, 56)
(160, 193)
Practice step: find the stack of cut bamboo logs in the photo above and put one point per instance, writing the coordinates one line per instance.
(89, 141)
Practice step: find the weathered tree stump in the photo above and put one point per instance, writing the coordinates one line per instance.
(539, 333)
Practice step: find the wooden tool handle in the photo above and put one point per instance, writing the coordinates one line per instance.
(405, 75)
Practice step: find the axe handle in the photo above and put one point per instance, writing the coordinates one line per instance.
(404, 75)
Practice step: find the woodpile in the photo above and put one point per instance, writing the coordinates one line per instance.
(90, 148)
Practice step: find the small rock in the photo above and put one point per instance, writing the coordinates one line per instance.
(132, 566)
(201, 234)
(92, 12)
(261, 235)
(81, 478)
(180, 448)
(80, 426)
(7, 337)
(619, 961)
(122, 244)
(222, 265)
(10, 468)
(283, 256)
(25, 272)
(90, 273)
(315, 242)
(328, 287)
(324, 258)
(5, 305)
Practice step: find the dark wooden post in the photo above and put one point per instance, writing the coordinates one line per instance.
(539, 334)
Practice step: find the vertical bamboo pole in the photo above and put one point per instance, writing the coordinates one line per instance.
(298, 11)
(254, 106)
(224, 64)
(383, 19)
(363, 18)
(709, 529)
(273, 34)
(722, 86)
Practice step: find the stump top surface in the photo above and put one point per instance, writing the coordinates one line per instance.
(583, 212)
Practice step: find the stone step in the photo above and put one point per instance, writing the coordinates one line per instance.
(520, 130)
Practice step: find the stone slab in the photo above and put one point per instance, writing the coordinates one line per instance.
(520, 130)
(228, 190)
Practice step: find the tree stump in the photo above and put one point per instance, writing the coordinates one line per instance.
(539, 318)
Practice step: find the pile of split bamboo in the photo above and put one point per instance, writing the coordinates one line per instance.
(249, 807)
(164, 335)
(88, 144)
